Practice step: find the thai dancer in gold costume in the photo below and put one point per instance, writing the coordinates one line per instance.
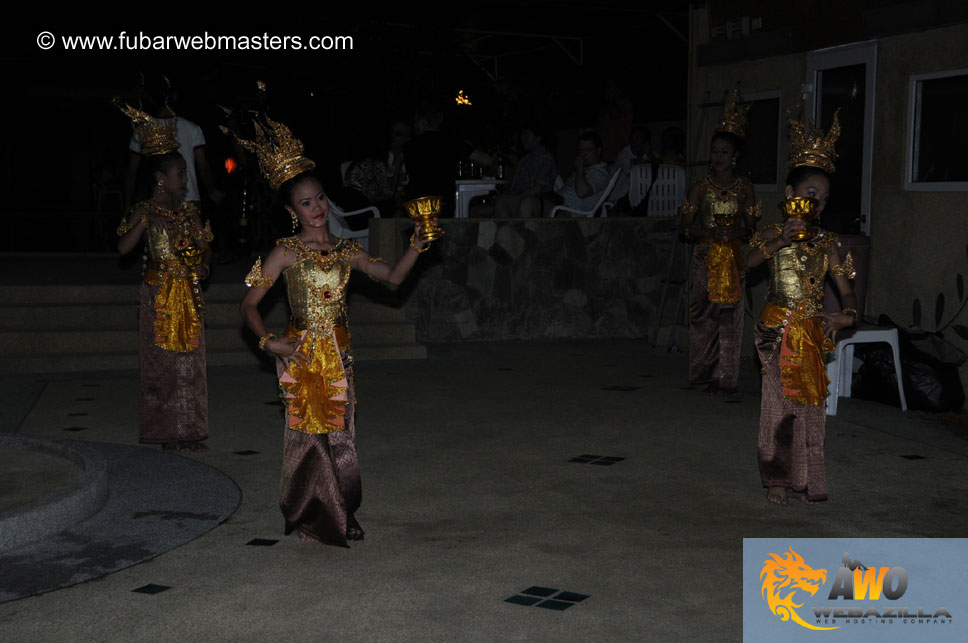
(793, 334)
(321, 488)
(718, 214)
(174, 392)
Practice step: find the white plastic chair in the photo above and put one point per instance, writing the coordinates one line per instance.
(667, 193)
(840, 368)
(602, 201)
(339, 227)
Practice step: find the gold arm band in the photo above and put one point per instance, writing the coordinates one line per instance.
(689, 208)
(265, 340)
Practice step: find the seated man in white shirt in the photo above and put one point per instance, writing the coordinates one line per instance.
(583, 189)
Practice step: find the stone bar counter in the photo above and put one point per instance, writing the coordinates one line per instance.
(500, 279)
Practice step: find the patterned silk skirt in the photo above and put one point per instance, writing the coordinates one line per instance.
(174, 389)
(791, 436)
(715, 332)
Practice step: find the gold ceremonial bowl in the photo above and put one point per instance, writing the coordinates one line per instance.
(803, 208)
(422, 210)
(192, 255)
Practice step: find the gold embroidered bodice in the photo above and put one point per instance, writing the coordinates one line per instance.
(719, 206)
(168, 231)
(797, 271)
(316, 284)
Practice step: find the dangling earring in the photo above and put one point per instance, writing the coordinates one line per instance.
(733, 162)
(295, 221)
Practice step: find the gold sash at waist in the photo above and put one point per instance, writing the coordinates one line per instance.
(803, 374)
(724, 265)
(315, 391)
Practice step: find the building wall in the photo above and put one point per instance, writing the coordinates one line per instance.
(917, 238)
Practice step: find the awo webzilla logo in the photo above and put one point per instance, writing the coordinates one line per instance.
(858, 594)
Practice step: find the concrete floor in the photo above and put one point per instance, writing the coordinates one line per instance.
(470, 498)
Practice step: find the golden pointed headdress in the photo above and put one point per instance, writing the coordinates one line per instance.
(280, 153)
(814, 148)
(156, 137)
(734, 115)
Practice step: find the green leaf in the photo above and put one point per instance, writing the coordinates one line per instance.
(939, 309)
(916, 312)
(960, 282)
(962, 331)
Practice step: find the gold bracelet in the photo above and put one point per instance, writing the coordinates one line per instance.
(766, 255)
(852, 312)
(419, 250)
(265, 340)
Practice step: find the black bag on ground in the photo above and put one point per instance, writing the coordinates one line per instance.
(929, 365)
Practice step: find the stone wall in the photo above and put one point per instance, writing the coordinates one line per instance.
(498, 279)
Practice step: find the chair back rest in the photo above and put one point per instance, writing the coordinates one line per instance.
(668, 191)
(640, 178)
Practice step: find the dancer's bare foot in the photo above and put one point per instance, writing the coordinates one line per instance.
(172, 447)
(777, 495)
(306, 538)
(195, 447)
(802, 497)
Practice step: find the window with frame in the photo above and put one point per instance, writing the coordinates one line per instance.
(938, 132)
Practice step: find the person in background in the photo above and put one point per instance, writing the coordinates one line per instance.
(158, 98)
(717, 216)
(173, 408)
(582, 190)
(637, 152)
(534, 175)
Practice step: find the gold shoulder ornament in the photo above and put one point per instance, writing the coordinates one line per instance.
(845, 268)
(206, 235)
(256, 278)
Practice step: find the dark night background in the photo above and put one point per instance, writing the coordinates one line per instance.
(516, 62)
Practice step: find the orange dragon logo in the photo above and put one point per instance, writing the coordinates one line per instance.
(789, 572)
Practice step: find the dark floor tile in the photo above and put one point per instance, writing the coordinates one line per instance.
(537, 590)
(914, 457)
(262, 542)
(554, 605)
(246, 452)
(505, 368)
(646, 375)
(583, 459)
(394, 373)
(76, 428)
(274, 402)
(846, 435)
(603, 463)
(733, 401)
(624, 389)
(151, 588)
(83, 399)
(574, 597)
(91, 385)
(522, 600)
(687, 388)
(76, 414)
